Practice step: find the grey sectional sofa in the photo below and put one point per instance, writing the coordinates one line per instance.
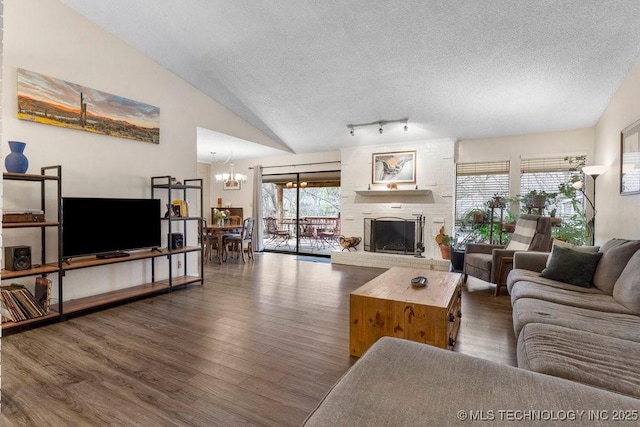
(404, 383)
(578, 356)
(585, 334)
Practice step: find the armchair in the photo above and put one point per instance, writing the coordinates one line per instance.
(492, 263)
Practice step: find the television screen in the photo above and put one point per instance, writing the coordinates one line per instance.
(93, 226)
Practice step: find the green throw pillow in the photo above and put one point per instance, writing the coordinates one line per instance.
(572, 266)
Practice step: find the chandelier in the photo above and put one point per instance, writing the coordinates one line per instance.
(231, 178)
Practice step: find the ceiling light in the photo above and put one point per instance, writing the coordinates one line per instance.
(230, 178)
(379, 123)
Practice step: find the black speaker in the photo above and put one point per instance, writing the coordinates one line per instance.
(17, 258)
(176, 240)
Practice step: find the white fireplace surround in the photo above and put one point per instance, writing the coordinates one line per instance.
(435, 182)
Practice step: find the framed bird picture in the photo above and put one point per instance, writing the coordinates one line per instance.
(398, 167)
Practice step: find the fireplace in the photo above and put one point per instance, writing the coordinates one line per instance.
(390, 235)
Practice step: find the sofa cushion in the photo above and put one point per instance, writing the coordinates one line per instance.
(571, 266)
(585, 357)
(575, 298)
(568, 245)
(627, 288)
(529, 310)
(518, 275)
(478, 265)
(404, 383)
(615, 255)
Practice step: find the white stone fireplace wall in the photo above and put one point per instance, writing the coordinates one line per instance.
(434, 172)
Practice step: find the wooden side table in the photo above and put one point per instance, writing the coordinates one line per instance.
(502, 268)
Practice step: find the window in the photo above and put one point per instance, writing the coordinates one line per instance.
(477, 183)
(548, 174)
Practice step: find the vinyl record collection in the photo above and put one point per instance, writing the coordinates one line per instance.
(18, 303)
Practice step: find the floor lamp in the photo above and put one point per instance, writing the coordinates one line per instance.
(594, 172)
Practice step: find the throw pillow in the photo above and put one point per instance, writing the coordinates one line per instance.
(616, 254)
(627, 288)
(564, 244)
(571, 266)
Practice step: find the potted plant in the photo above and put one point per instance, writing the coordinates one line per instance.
(458, 251)
(444, 241)
(474, 216)
(509, 225)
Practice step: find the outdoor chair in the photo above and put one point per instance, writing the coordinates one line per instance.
(275, 235)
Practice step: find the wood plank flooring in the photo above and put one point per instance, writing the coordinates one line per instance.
(259, 344)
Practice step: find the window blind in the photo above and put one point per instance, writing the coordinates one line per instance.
(477, 183)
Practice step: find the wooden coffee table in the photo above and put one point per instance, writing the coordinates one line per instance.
(389, 306)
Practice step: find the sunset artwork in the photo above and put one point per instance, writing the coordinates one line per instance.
(55, 102)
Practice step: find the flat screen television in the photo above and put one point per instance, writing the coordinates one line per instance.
(95, 226)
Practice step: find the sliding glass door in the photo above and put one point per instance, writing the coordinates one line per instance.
(301, 212)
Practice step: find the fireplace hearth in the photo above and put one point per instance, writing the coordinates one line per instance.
(390, 235)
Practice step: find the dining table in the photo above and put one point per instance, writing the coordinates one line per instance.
(218, 231)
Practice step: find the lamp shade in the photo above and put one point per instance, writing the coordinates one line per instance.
(594, 171)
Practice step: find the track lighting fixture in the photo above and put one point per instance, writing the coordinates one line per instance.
(379, 123)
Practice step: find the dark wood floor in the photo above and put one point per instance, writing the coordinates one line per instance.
(258, 344)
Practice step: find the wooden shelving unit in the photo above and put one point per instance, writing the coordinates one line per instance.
(115, 297)
(41, 263)
(63, 309)
(165, 187)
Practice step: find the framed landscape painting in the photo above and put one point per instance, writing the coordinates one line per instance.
(630, 159)
(398, 167)
(51, 101)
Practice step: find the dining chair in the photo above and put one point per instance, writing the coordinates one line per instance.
(210, 241)
(237, 241)
(235, 220)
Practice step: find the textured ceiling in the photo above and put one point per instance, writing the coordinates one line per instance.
(300, 71)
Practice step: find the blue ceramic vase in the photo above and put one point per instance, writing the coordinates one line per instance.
(16, 161)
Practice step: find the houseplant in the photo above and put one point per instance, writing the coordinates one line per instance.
(444, 241)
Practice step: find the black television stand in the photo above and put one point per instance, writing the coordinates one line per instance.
(115, 254)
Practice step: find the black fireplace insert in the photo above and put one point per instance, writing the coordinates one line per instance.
(390, 235)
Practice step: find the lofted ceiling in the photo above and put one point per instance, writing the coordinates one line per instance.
(301, 71)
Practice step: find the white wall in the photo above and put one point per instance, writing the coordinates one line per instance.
(47, 37)
(617, 215)
(435, 171)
